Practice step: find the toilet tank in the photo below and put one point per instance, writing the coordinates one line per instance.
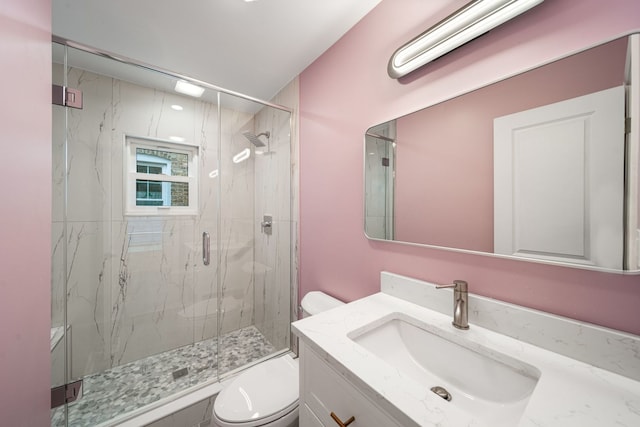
(316, 302)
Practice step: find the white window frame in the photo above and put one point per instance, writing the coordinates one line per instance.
(131, 144)
(148, 160)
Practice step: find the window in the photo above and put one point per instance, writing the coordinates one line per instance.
(152, 193)
(161, 178)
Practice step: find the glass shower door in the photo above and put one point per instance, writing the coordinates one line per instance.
(255, 237)
(130, 288)
(58, 306)
(172, 233)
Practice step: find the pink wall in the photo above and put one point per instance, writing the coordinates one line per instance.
(444, 154)
(25, 215)
(347, 90)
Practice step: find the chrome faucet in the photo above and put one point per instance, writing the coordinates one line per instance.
(460, 303)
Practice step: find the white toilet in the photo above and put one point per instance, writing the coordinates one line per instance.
(266, 394)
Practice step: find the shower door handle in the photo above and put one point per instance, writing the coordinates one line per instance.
(206, 248)
(266, 226)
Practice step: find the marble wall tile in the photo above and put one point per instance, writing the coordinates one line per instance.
(145, 113)
(272, 289)
(236, 236)
(236, 179)
(209, 183)
(206, 283)
(58, 136)
(273, 169)
(152, 304)
(57, 273)
(88, 272)
(206, 277)
(137, 285)
(236, 274)
(290, 96)
(88, 159)
(275, 195)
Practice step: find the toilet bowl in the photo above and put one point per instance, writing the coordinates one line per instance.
(266, 395)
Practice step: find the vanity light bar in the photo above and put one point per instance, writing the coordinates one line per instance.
(473, 20)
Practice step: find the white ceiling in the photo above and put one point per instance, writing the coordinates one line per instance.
(254, 48)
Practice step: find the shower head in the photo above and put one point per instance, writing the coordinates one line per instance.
(255, 139)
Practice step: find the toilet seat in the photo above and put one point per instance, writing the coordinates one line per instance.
(260, 395)
(284, 418)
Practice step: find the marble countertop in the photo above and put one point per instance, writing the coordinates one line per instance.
(568, 393)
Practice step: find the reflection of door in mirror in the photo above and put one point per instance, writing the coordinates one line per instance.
(379, 182)
(559, 181)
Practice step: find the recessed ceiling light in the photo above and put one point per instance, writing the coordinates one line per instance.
(177, 138)
(189, 89)
(177, 107)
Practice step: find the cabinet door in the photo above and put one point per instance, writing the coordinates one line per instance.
(325, 391)
(308, 418)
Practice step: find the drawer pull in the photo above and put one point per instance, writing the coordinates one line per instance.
(339, 421)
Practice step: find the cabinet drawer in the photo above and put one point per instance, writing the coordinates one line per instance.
(324, 391)
(308, 418)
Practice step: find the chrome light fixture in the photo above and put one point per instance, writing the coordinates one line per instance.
(473, 20)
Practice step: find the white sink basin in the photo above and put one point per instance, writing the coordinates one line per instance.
(490, 386)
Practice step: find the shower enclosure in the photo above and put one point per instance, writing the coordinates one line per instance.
(171, 236)
(379, 182)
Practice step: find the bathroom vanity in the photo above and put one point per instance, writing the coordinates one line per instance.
(394, 359)
(326, 393)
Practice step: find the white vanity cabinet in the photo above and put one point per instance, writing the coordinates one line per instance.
(559, 372)
(323, 391)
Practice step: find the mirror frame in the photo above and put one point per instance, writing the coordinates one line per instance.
(475, 252)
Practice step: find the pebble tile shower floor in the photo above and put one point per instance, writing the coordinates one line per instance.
(134, 385)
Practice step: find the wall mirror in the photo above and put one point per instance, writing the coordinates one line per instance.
(541, 166)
